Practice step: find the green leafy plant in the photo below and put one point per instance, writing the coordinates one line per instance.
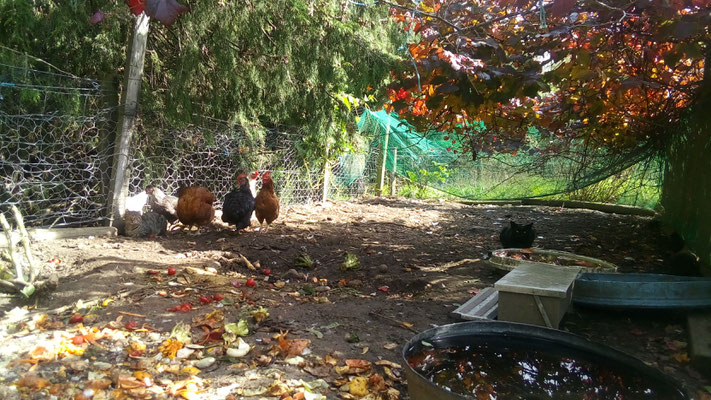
(418, 184)
(350, 262)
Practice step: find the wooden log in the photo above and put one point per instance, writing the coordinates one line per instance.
(589, 205)
(60, 233)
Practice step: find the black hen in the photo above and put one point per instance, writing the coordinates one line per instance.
(162, 203)
(239, 204)
(515, 235)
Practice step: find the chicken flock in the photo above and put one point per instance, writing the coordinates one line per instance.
(193, 207)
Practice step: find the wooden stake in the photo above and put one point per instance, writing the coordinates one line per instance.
(25, 237)
(11, 248)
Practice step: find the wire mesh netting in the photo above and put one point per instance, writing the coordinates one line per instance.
(54, 148)
(214, 153)
(575, 170)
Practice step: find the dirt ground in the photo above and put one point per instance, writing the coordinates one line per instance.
(418, 260)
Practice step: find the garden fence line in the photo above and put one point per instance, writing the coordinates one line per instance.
(57, 135)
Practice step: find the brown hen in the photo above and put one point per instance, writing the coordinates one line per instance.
(266, 204)
(195, 206)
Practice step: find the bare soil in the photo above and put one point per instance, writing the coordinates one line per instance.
(418, 261)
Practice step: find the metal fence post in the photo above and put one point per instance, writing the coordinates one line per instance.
(127, 118)
(384, 159)
(393, 174)
(326, 177)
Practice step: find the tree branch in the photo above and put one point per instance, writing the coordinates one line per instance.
(426, 14)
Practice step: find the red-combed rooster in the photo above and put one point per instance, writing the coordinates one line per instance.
(266, 204)
(195, 206)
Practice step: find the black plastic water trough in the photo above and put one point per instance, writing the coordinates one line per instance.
(508, 337)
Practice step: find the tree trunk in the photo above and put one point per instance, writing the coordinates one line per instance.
(686, 191)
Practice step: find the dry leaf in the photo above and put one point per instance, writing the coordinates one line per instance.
(388, 364)
(128, 382)
(392, 375)
(57, 389)
(359, 386)
(329, 359)
(353, 367)
(170, 347)
(187, 388)
(364, 364)
(682, 357)
(99, 384)
(278, 389)
(189, 371)
(141, 375)
(377, 383)
(136, 349)
(41, 353)
(292, 347)
(247, 263)
(32, 382)
(319, 370)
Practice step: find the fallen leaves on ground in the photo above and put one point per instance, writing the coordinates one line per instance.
(122, 358)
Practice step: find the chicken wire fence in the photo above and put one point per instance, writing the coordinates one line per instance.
(213, 153)
(57, 133)
(54, 152)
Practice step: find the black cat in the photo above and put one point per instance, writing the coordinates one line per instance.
(684, 262)
(516, 235)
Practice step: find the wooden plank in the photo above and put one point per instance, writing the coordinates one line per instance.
(38, 235)
(482, 306)
(588, 205)
(700, 341)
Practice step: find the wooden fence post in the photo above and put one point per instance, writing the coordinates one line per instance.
(127, 118)
(393, 174)
(384, 159)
